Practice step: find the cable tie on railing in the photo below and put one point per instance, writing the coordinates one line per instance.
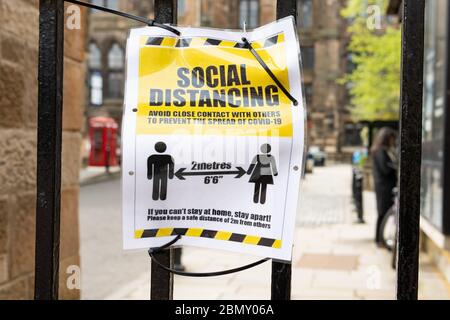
(149, 22)
(152, 251)
(167, 245)
(248, 45)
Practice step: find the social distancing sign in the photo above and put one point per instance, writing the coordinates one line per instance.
(212, 146)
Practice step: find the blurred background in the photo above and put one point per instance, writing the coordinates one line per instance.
(350, 54)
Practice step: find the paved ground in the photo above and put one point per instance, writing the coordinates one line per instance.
(105, 266)
(324, 197)
(91, 175)
(334, 257)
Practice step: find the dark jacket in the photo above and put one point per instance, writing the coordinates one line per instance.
(385, 178)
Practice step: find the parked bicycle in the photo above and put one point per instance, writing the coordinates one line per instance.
(388, 229)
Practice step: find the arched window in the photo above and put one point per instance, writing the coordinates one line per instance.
(249, 12)
(308, 57)
(96, 88)
(115, 72)
(95, 57)
(115, 57)
(95, 75)
(112, 4)
(305, 13)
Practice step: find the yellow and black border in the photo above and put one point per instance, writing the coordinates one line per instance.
(211, 234)
(187, 42)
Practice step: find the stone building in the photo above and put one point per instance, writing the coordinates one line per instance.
(323, 40)
(107, 37)
(19, 33)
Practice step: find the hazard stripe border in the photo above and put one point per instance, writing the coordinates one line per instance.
(175, 42)
(211, 234)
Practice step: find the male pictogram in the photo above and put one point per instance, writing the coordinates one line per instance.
(160, 168)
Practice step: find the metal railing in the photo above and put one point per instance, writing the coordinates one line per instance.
(50, 108)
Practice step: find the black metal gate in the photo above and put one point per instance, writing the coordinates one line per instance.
(51, 54)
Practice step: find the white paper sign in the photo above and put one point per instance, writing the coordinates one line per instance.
(212, 146)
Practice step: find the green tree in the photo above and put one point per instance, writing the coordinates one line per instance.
(374, 82)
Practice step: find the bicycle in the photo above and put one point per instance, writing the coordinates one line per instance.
(388, 229)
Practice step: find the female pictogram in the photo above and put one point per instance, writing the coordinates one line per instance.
(262, 169)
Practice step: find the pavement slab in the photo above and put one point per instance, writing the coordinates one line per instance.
(334, 257)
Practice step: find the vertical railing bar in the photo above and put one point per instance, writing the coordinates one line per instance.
(446, 158)
(287, 8)
(282, 272)
(161, 284)
(49, 141)
(410, 149)
(166, 11)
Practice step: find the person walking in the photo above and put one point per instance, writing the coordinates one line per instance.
(384, 158)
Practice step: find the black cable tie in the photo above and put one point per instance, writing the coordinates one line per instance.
(149, 22)
(158, 249)
(152, 251)
(269, 72)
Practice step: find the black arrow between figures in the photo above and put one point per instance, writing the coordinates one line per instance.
(181, 174)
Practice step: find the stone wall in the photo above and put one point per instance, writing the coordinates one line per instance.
(18, 114)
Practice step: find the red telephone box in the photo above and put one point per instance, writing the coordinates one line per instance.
(103, 138)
